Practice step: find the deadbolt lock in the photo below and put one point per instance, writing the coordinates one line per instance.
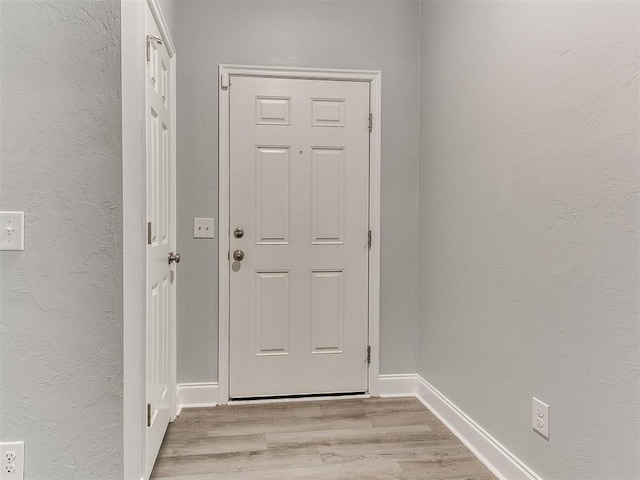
(238, 232)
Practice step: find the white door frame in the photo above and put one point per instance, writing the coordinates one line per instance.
(134, 228)
(374, 78)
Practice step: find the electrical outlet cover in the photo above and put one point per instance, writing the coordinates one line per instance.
(540, 417)
(203, 227)
(12, 461)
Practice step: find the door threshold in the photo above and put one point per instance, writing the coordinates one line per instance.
(296, 398)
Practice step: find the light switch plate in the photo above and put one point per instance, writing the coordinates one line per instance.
(11, 230)
(203, 227)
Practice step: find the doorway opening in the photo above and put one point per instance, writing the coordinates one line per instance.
(299, 182)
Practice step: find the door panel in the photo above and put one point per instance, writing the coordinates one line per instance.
(327, 312)
(160, 276)
(327, 194)
(272, 195)
(299, 177)
(272, 313)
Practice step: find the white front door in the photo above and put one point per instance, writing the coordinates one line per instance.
(299, 191)
(161, 281)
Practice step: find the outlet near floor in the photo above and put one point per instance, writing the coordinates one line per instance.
(540, 417)
(12, 461)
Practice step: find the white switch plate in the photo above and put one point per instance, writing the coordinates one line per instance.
(203, 227)
(12, 461)
(540, 417)
(11, 230)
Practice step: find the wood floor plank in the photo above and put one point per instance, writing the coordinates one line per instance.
(348, 436)
(342, 439)
(174, 446)
(400, 418)
(466, 468)
(237, 462)
(230, 415)
(275, 425)
(359, 470)
(376, 406)
(423, 450)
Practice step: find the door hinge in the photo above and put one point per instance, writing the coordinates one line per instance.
(370, 122)
(152, 38)
(148, 233)
(369, 239)
(369, 355)
(148, 415)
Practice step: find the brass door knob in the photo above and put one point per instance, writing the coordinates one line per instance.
(174, 258)
(238, 255)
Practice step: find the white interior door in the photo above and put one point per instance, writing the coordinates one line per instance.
(161, 280)
(299, 180)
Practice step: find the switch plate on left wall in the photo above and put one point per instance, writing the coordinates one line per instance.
(11, 230)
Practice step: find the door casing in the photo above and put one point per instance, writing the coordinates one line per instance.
(374, 78)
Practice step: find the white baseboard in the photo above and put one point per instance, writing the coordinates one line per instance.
(402, 385)
(502, 463)
(192, 395)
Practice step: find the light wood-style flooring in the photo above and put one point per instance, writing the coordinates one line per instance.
(342, 439)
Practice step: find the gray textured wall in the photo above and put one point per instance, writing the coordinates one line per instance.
(61, 310)
(362, 35)
(169, 8)
(529, 226)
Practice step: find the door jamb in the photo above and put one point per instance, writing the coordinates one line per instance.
(374, 78)
(134, 229)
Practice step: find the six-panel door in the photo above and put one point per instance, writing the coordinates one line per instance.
(299, 176)
(161, 287)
